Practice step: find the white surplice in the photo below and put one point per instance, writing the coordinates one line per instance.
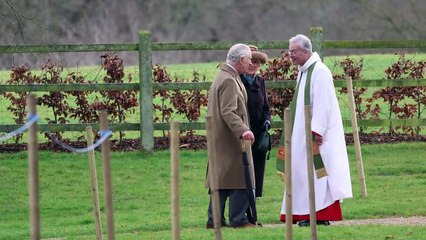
(327, 122)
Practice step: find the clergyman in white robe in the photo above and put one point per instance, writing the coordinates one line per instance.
(327, 122)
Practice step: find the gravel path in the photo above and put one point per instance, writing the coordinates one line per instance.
(412, 221)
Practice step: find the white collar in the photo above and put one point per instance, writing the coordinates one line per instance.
(314, 58)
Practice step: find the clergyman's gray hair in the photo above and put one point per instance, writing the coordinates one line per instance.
(236, 52)
(304, 42)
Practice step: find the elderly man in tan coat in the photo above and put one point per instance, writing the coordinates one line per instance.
(227, 105)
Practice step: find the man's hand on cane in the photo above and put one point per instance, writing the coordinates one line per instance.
(248, 135)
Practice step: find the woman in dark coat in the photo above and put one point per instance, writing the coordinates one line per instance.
(259, 113)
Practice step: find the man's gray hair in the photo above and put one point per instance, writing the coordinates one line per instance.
(236, 52)
(304, 42)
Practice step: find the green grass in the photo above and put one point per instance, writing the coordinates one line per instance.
(395, 177)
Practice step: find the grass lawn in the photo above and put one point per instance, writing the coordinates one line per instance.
(395, 177)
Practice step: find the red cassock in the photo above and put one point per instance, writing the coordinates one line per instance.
(330, 213)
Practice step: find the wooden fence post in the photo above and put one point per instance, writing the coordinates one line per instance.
(316, 34)
(175, 196)
(310, 160)
(94, 182)
(213, 180)
(145, 75)
(33, 171)
(355, 133)
(106, 160)
(288, 126)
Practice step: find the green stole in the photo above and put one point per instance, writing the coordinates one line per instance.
(318, 162)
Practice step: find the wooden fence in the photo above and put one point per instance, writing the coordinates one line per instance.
(145, 47)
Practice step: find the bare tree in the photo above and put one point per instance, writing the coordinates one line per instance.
(111, 21)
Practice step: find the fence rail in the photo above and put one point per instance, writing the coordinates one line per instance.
(146, 87)
(381, 44)
(193, 86)
(201, 125)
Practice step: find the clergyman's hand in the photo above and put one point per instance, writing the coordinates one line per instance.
(318, 139)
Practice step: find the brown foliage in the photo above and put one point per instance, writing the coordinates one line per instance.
(280, 69)
(190, 103)
(19, 76)
(396, 97)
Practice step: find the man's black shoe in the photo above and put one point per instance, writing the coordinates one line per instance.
(247, 225)
(211, 226)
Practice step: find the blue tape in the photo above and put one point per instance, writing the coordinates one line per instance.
(104, 135)
(33, 118)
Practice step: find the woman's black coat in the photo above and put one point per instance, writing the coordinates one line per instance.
(259, 112)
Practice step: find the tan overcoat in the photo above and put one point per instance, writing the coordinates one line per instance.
(227, 105)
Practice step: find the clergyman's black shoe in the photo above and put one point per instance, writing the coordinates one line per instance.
(306, 223)
(303, 223)
(323, 222)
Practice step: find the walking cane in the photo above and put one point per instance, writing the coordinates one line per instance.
(251, 211)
